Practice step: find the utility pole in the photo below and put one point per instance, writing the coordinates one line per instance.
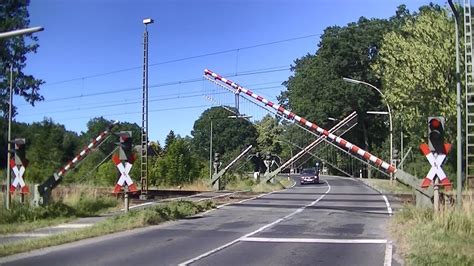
(458, 111)
(144, 135)
(5, 35)
(210, 153)
(9, 138)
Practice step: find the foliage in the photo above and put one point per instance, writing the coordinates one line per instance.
(177, 166)
(170, 138)
(416, 66)
(269, 131)
(25, 213)
(48, 147)
(317, 92)
(14, 51)
(228, 134)
(87, 206)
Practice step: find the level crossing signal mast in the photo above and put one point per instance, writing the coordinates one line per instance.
(435, 152)
(124, 162)
(18, 166)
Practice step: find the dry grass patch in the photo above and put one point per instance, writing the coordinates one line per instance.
(425, 238)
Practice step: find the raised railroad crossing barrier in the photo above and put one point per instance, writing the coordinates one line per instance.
(400, 175)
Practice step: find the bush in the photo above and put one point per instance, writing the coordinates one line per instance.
(25, 213)
(90, 207)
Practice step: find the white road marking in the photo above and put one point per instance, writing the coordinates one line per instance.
(315, 240)
(256, 231)
(218, 196)
(388, 254)
(138, 205)
(72, 225)
(179, 198)
(239, 202)
(389, 209)
(28, 235)
(387, 203)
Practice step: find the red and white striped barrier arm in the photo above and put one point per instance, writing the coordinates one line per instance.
(310, 125)
(84, 152)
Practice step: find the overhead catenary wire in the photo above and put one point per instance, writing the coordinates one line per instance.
(186, 81)
(181, 59)
(139, 112)
(109, 104)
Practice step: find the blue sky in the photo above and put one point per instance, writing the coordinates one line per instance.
(91, 53)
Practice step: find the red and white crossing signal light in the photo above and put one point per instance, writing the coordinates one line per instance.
(436, 135)
(18, 166)
(126, 146)
(435, 152)
(124, 162)
(19, 152)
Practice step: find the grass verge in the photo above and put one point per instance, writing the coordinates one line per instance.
(133, 219)
(424, 238)
(24, 218)
(386, 187)
(250, 185)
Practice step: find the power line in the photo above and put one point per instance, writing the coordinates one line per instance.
(243, 73)
(151, 111)
(136, 101)
(182, 59)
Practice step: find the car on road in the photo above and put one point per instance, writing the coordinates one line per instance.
(309, 176)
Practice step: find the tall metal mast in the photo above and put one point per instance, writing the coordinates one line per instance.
(144, 133)
(469, 141)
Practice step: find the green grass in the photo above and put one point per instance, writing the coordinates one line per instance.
(250, 185)
(23, 217)
(425, 238)
(133, 219)
(387, 187)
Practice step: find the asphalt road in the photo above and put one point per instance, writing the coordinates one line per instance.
(337, 222)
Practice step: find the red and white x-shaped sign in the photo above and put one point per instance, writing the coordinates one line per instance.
(18, 172)
(124, 169)
(435, 160)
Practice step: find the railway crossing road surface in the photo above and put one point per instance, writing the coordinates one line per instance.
(337, 222)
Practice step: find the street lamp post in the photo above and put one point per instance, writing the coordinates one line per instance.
(10, 107)
(210, 153)
(14, 33)
(4, 35)
(389, 113)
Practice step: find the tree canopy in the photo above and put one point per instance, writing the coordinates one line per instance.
(416, 67)
(316, 89)
(228, 134)
(13, 52)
